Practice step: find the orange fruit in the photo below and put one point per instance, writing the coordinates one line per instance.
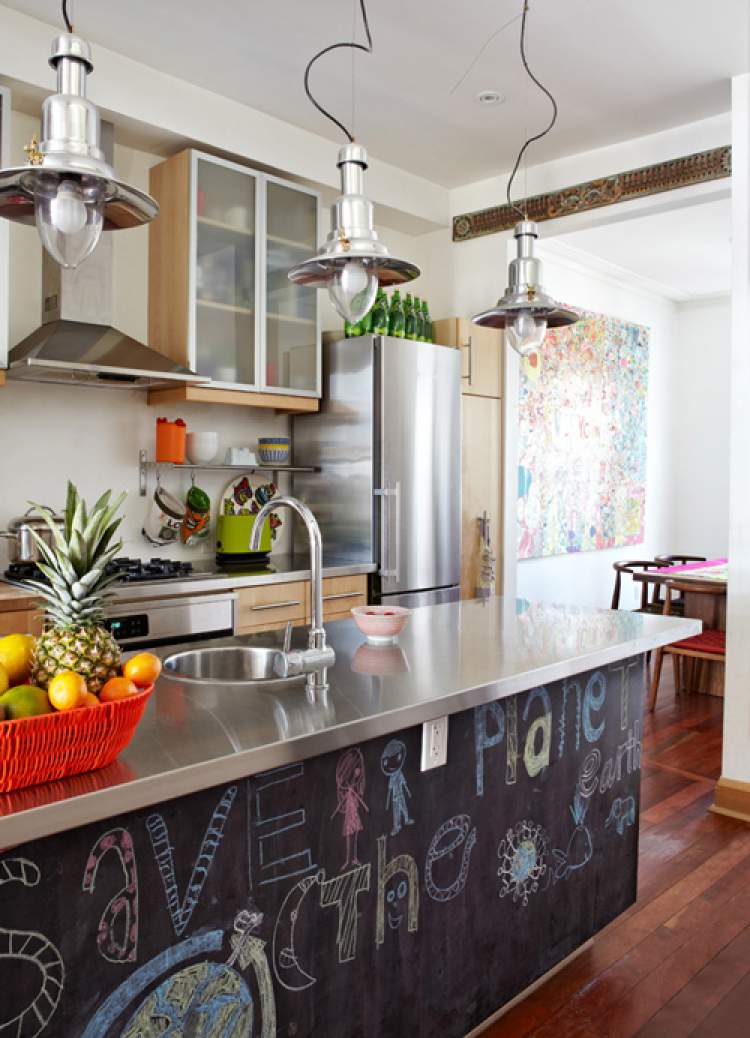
(66, 690)
(88, 699)
(117, 688)
(143, 669)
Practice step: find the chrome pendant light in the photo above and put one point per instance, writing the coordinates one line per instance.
(68, 189)
(353, 261)
(525, 310)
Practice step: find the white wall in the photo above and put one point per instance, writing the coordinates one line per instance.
(736, 747)
(700, 428)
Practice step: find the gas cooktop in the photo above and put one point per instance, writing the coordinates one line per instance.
(129, 571)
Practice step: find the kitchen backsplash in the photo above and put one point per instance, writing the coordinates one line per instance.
(92, 436)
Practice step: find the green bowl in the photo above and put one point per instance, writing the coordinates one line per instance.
(233, 535)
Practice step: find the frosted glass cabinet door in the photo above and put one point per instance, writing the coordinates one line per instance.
(225, 303)
(291, 310)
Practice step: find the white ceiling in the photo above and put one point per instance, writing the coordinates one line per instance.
(685, 251)
(619, 68)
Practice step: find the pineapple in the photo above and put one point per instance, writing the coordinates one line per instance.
(75, 597)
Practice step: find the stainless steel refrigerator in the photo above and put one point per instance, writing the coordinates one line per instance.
(388, 443)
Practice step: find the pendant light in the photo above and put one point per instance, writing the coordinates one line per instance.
(525, 310)
(68, 189)
(353, 261)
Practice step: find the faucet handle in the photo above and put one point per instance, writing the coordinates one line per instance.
(288, 636)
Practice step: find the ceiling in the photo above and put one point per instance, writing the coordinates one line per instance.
(619, 68)
(685, 251)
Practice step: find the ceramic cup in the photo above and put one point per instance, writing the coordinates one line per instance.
(201, 447)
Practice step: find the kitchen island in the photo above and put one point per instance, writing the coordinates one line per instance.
(254, 864)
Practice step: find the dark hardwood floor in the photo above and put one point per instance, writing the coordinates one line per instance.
(678, 962)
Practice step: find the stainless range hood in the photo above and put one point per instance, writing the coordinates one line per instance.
(77, 343)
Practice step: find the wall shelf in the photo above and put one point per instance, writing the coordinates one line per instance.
(219, 225)
(145, 466)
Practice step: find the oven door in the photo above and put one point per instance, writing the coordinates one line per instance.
(164, 621)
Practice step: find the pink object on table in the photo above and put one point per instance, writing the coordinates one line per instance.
(708, 564)
(380, 622)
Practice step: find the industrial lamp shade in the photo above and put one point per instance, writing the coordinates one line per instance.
(525, 310)
(68, 188)
(353, 261)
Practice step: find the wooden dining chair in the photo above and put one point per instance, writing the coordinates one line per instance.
(679, 560)
(710, 644)
(629, 567)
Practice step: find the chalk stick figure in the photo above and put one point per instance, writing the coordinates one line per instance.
(350, 792)
(392, 765)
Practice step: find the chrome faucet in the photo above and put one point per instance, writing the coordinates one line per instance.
(317, 657)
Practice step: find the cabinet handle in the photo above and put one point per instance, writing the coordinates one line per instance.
(468, 346)
(344, 594)
(273, 605)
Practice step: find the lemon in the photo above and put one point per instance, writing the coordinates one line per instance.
(24, 701)
(16, 654)
(4, 680)
(66, 690)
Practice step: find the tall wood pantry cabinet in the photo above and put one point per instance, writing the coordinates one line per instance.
(219, 297)
(481, 441)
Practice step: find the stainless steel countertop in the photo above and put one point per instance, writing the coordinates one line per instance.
(207, 577)
(449, 658)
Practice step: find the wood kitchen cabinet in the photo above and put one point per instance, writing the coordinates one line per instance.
(220, 301)
(268, 607)
(21, 621)
(482, 351)
(340, 595)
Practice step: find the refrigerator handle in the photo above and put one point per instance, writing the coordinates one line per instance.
(397, 538)
(385, 494)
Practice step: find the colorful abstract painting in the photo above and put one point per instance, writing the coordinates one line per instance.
(582, 439)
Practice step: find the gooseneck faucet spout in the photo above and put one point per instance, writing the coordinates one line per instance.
(318, 654)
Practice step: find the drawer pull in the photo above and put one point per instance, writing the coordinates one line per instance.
(344, 594)
(273, 605)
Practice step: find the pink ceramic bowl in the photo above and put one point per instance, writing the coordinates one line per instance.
(380, 623)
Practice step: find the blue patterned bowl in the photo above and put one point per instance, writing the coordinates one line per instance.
(274, 450)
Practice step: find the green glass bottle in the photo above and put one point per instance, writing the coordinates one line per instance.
(418, 319)
(410, 321)
(380, 314)
(365, 325)
(347, 330)
(396, 317)
(426, 322)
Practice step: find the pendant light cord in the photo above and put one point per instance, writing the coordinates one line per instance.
(537, 137)
(326, 50)
(66, 16)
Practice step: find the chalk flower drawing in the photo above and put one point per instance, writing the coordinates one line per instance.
(523, 861)
(582, 439)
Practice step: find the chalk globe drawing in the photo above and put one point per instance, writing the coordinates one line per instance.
(206, 1000)
(523, 861)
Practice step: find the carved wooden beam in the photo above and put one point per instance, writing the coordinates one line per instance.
(637, 183)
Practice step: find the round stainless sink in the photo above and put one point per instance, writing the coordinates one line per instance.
(225, 665)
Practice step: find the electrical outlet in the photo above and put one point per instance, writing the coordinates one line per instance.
(434, 743)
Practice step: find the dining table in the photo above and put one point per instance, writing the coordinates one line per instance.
(710, 677)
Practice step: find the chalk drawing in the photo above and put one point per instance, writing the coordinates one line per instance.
(19, 870)
(28, 946)
(568, 687)
(395, 893)
(118, 1001)
(483, 740)
(181, 912)
(511, 764)
(343, 891)
(460, 826)
(523, 854)
(204, 1000)
(594, 698)
(121, 913)
(538, 759)
(276, 862)
(350, 792)
(392, 763)
(580, 848)
(621, 814)
(627, 759)
(589, 777)
(248, 950)
(286, 964)
(625, 672)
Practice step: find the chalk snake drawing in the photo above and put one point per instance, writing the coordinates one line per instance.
(33, 948)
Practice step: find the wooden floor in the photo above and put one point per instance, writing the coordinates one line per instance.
(678, 962)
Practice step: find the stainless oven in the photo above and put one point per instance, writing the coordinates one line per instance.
(143, 623)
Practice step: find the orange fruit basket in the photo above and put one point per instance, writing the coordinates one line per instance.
(54, 746)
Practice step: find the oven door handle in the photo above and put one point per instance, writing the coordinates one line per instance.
(141, 604)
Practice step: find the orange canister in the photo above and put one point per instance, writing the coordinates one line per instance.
(170, 440)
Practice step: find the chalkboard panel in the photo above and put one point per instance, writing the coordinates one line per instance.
(349, 895)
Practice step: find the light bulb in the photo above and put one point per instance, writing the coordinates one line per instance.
(352, 290)
(69, 222)
(525, 333)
